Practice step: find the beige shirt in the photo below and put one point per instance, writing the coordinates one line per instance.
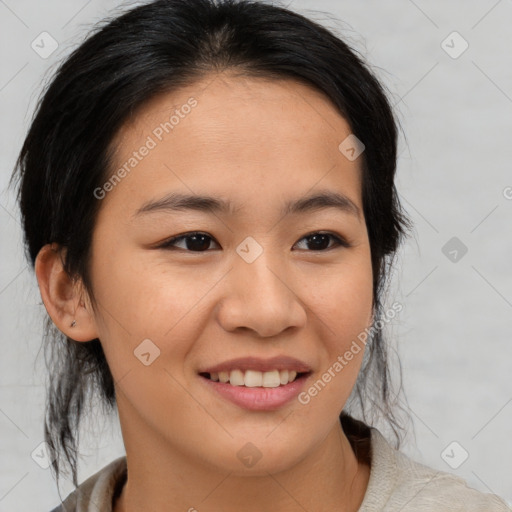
(397, 483)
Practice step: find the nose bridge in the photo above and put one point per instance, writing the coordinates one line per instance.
(258, 296)
(259, 267)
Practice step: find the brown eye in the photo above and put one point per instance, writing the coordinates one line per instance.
(194, 242)
(320, 241)
(201, 242)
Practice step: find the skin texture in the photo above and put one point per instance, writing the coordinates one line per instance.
(258, 143)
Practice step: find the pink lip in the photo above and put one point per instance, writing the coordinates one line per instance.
(257, 398)
(258, 364)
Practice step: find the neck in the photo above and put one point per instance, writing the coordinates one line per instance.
(161, 477)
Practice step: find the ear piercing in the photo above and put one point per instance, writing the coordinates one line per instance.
(73, 323)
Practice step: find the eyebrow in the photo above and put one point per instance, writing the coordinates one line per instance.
(208, 204)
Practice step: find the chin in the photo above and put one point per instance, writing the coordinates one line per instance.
(260, 455)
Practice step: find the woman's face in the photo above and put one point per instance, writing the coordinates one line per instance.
(255, 285)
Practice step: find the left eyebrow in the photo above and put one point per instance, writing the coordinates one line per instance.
(208, 204)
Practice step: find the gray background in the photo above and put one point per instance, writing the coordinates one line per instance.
(454, 333)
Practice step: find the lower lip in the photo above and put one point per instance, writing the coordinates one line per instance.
(258, 398)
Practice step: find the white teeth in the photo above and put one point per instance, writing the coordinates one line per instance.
(253, 378)
(271, 379)
(236, 378)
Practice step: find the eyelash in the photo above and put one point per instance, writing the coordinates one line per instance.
(169, 244)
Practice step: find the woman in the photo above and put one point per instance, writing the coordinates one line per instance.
(208, 198)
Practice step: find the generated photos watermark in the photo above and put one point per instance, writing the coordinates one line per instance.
(151, 142)
(343, 360)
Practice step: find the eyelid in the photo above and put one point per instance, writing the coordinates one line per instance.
(340, 240)
(167, 244)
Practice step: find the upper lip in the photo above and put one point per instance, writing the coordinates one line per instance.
(258, 364)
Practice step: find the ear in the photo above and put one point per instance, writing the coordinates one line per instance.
(65, 300)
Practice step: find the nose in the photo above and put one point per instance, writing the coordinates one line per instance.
(261, 296)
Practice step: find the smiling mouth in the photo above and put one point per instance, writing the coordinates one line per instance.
(253, 379)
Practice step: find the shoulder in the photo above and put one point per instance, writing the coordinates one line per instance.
(96, 493)
(422, 486)
(400, 483)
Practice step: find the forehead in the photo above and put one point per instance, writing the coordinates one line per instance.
(237, 136)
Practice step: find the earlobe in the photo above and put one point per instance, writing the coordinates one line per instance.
(62, 296)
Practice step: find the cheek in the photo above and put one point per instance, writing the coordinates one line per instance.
(141, 302)
(149, 318)
(342, 301)
(343, 305)
(342, 297)
(148, 297)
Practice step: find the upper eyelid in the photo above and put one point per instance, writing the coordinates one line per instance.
(341, 240)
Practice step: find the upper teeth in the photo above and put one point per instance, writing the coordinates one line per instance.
(253, 378)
